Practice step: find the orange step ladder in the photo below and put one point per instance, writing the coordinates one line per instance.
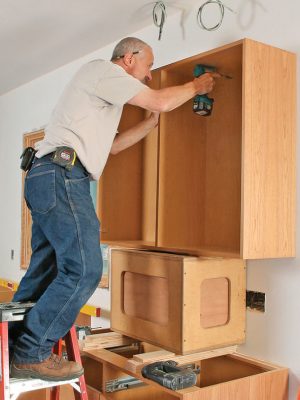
(11, 388)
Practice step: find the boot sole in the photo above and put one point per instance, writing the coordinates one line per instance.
(25, 374)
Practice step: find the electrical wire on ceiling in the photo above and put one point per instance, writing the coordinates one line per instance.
(222, 7)
(159, 16)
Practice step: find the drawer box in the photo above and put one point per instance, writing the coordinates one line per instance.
(180, 303)
(229, 377)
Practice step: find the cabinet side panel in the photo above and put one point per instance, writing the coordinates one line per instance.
(268, 188)
(219, 322)
(120, 190)
(140, 281)
(150, 171)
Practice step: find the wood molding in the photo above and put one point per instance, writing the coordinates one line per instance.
(29, 139)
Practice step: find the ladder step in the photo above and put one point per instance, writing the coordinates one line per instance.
(10, 389)
(14, 311)
(18, 386)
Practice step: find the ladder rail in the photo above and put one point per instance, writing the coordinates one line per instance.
(11, 389)
(4, 359)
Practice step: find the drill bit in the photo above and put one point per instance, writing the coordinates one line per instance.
(225, 75)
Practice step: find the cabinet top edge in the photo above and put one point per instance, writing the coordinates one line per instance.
(245, 42)
(249, 42)
(142, 253)
(202, 54)
(171, 256)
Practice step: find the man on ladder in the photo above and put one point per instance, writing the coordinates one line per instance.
(66, 261)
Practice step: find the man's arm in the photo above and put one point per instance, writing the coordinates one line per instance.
(135, 134)
(167, 99)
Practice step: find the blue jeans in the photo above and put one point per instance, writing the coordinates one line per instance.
(66, 262)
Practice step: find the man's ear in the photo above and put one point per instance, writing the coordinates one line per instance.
(127, 59)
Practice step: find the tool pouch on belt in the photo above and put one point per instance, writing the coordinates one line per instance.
(65, 157)
(27, 158)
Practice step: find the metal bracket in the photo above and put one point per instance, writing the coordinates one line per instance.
(115, 385)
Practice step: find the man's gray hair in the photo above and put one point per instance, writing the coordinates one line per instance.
(128, 45)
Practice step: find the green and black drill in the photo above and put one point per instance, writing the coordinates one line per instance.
(203, 104)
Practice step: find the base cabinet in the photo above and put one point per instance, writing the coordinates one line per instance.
(230, 377)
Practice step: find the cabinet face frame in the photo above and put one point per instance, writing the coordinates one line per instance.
(260, 216)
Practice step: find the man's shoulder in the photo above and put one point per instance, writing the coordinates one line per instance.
(102, 67)
(97, 64)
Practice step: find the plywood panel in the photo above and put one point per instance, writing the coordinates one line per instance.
(223, 157)
(150, 176)
(167, 335)
(197, 337)
(127, 190)
(146, 297)
(181, 175)
(214, 302)
(120, 190)
(268, 192)
(200, 162)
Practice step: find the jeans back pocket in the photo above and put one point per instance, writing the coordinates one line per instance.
(40, 194)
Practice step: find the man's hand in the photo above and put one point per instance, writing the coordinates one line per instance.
(206, 82)
(171, 97)
(153, 119)
(135, 134)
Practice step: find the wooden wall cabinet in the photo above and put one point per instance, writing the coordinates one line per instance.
(218, 185)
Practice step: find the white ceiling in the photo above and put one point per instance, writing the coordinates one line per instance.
(38, 36)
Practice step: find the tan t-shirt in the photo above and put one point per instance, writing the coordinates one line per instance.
(88, 113)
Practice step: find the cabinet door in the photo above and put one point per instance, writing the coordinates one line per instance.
(268, 149)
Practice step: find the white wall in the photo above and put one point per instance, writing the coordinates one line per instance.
(273, 336)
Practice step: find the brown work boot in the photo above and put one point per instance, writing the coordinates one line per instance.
(54, 368)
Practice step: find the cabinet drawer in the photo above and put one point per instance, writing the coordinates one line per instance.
(183, 304)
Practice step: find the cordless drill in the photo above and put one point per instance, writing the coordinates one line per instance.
(202, 103)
